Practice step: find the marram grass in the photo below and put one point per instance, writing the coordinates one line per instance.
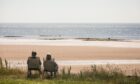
(89, 76)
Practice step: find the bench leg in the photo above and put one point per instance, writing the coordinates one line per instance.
(29, 73)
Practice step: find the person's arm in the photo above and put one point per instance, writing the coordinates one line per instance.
(28, 61)
(38, 59)
(56, 66)
(44, 63)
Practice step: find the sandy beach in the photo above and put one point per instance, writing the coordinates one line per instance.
(74, 50)
(69, 52)
(70, 49)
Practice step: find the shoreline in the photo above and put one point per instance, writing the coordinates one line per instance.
(73, 42)
(59, 37)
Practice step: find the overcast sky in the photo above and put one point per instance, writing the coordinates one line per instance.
(70, 11)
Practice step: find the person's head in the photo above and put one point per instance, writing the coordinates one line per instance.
(34, 54)
(48, 57)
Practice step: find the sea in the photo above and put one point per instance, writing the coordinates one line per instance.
(70, 30)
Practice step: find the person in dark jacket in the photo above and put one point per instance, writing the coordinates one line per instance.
(50, 66)
(33, 63)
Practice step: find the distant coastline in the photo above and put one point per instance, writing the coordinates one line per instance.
(63, 38)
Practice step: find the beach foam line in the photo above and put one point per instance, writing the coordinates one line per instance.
(69, 42)
(23, 63)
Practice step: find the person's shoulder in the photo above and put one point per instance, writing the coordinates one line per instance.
(52, 61)
(37, 57)
(30, 57)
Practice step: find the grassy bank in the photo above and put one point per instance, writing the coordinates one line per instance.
(93, 75)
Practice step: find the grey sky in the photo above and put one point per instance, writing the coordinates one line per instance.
(70, 11)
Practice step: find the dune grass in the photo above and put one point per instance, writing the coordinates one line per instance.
(93, 75)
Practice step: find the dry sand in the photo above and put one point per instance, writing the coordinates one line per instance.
(69, 52)
(124, 51)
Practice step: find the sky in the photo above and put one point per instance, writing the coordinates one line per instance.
(70, 11)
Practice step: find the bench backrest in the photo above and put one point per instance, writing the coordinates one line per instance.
(50, 66)
(34, 63)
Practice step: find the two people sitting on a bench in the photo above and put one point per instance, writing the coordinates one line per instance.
(34, 63)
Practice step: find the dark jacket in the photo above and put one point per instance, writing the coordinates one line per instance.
(50, 66)
(34, 63)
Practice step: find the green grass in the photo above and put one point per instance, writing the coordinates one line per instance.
(10, 80)
(25, 81)
(93, 75)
